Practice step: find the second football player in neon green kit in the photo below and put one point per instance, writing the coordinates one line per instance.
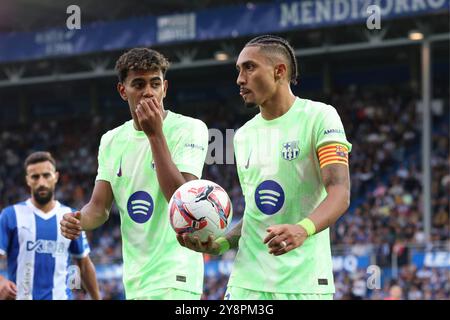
(292, 163)
(141, 164)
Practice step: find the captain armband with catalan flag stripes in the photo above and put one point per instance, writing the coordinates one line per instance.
(332, 153)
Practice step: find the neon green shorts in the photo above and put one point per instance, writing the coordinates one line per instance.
(235, 293)
(170, 294)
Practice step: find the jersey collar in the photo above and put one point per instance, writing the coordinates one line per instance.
(42, 214)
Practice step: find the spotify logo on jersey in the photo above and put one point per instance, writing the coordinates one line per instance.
(140, 206)
(269, 197)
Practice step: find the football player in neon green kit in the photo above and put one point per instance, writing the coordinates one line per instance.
(292, 163)
(141, 164)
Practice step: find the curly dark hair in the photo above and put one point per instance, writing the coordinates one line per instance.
(142, 59)
(271, 43)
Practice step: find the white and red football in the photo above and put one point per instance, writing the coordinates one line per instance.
(201, 208)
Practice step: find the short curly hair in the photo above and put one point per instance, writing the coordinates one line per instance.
(142, 59)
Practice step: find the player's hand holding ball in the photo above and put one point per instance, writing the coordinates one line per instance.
(194, 243)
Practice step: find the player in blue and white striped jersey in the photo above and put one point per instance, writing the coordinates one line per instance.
(38, 256)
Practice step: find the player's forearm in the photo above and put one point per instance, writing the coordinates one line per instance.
(93, 216)
(169, 177)
(234, 235)
(331, 208)
(89, 279)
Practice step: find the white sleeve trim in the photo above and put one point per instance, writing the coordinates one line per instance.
(81, 255)
(2, 252)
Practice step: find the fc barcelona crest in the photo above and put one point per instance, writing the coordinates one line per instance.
(290, 150)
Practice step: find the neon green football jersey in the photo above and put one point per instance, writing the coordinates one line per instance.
(152, 257)
(280, 176)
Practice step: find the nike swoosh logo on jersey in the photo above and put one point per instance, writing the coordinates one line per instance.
(248, 160)
(27, 228)
(119, 174)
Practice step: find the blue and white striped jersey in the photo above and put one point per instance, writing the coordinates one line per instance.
(37, 254)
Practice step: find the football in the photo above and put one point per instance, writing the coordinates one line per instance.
(200, 208)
